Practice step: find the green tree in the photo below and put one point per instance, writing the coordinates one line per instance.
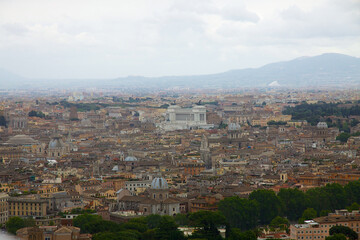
(207, 224)
(237, 234)
(348, 232)
(14, 224)
(352, 191)
(168, 229)
(339, 236)
(105, 236)
(280, 222)
(343, 137)
(86, 222)
(122, 235)
(318, 199)
(153, 220)
(138, 226)
(239, 212)
(266, 198)
(29, 222)
(2, 121)
(324, 213)
(354, 206)
(149, 235)
(293, 202)
(337, 196)
(102, 226)
(181, 219)
(308, 214)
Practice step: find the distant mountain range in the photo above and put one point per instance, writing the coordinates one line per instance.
(329, 69)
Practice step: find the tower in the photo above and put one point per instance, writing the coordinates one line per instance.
(96, 168)
(234, 134)
(205, 153)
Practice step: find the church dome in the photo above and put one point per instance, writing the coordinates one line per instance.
(322, 125)
(56, 143)
(159, 183)
(130, 159)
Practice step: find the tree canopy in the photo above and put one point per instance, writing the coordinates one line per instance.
(348, 232)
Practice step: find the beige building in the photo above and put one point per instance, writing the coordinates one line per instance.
(51, 233)
(4, 208)
(26, 207)
(319, 227)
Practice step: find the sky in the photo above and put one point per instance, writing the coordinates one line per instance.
(117, 38)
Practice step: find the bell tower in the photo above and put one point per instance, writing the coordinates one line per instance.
(205, 153)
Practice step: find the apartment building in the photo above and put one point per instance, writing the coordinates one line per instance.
(319, 227)
(26, 207)
(4, 208)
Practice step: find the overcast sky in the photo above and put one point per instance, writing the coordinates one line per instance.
(113, 38)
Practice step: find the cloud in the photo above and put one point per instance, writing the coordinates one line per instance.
(238, 12)
(85, 38)
(15, 29)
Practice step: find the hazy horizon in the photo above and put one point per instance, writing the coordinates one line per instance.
(85, 39)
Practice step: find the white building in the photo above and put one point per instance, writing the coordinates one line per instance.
(178, 118)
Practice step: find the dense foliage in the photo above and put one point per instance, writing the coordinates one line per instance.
(293, 204)
(343, 137)
(272, 122)
(15, 223)
(38, 114)
(2, 121)
(313, 113)
(150, 227)
(81, 107)
(348, 232)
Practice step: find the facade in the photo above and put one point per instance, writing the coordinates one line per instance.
(8, 154)
(22, 207)
(57, 148)
(4, 208)
(319, 227)
(51, 233)
(137, 187)
(207, 203)
(178, 118)
(156, 200)
(192, 168)
(18, 122)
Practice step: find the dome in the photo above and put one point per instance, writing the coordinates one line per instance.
(159, 183)
(234, 127)
(21, 140)
(130, 159)
(322, 125)
(56, 143)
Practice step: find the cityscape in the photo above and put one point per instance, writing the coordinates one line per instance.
(130, 120)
